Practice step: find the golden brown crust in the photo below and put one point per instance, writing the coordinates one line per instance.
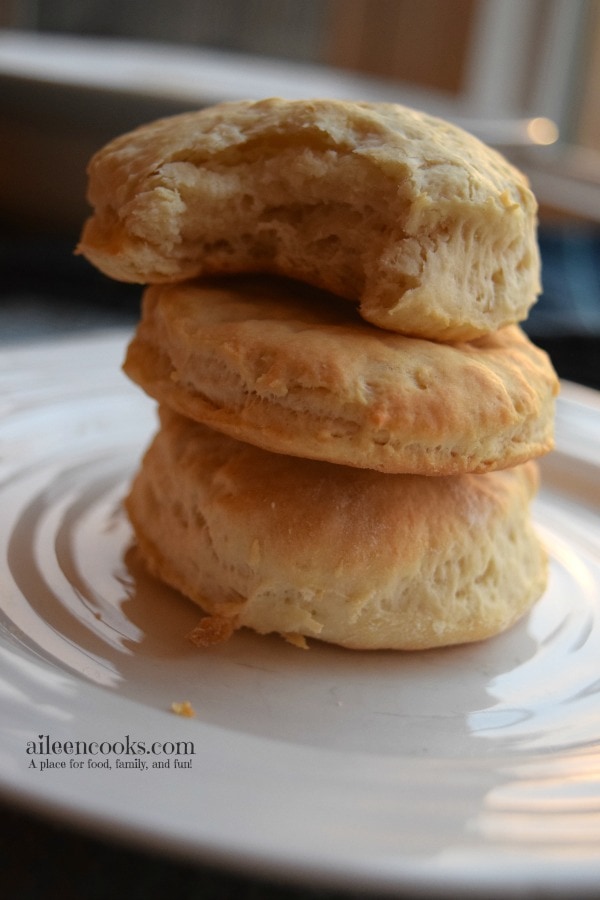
(295, 371)
(431, 231)
(345, 555)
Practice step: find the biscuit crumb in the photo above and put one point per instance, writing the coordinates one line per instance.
(211, 630)
(298, 640)
(184, 709)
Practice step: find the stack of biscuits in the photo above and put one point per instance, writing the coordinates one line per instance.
(349, 412)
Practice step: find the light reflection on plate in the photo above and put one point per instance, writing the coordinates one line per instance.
(503, 736)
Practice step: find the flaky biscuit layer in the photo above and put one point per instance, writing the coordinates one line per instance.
(296, 371)
(348, 556)
(432, 232)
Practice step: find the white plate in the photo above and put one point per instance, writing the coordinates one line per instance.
(473, 767)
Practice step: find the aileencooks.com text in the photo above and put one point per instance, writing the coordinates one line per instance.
(46, 753)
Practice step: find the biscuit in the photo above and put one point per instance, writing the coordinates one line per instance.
(291, 369)
(429, 230)
(348, 556)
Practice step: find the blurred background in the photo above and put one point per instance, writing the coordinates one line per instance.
(522, 74)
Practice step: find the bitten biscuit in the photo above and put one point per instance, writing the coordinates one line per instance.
(344, 555)
(293, 370)
(431, 231)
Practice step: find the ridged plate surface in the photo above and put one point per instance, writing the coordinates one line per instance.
(474, 767)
